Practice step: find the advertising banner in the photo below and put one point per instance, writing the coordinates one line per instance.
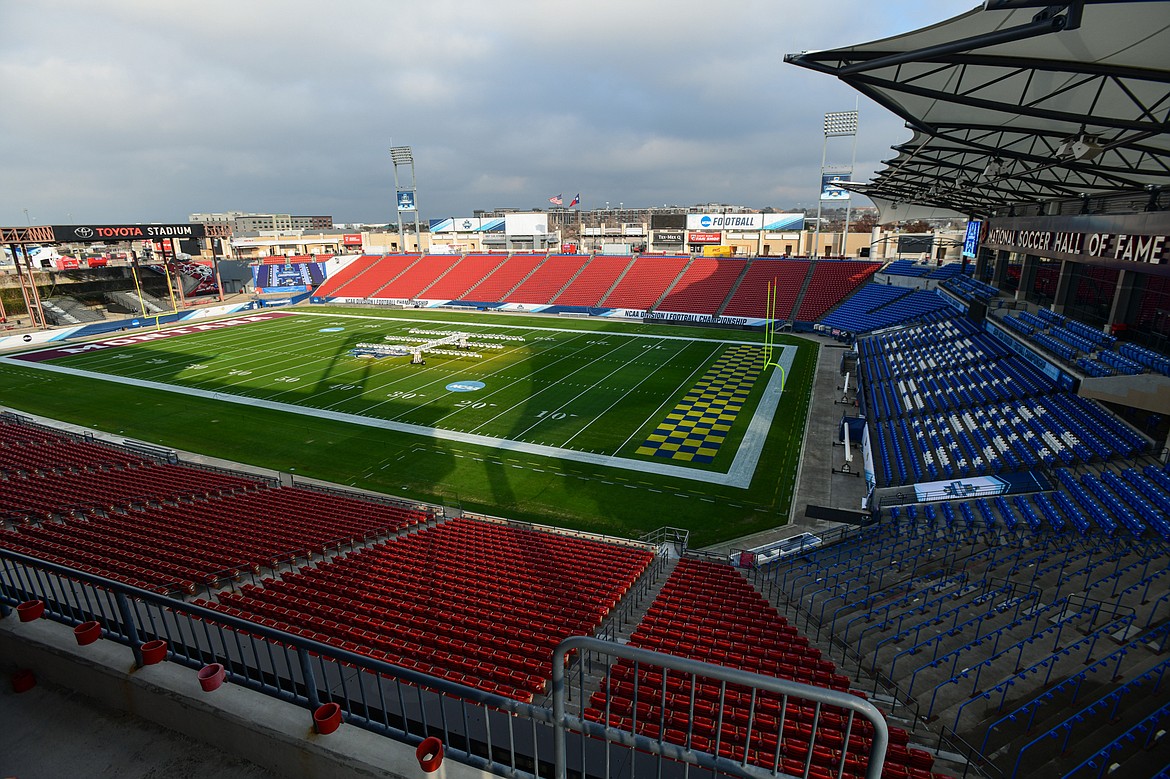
(969, 487)
(287, 277)
(971, 239)
(829, 188)
(668, 236)
(725, 221)
(704, 237)
(457, 224)
(351, 240)
(783, 221)
(406, 200)
(745, 222)
(867, 468)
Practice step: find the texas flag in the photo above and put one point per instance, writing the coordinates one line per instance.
(576, 200)
(557, 200)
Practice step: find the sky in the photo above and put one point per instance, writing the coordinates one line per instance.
(139, 110)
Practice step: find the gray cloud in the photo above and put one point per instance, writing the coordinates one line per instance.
(137, 110)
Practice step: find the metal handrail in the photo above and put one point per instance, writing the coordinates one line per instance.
(303, 670)
(563, 721)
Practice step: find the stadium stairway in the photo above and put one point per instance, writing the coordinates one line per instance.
(594, 281)
(540, 263)
(674, 283)
(422, 293)
(622, 623)
(808, 277)
(502, 282)
(877, 690)
(588, 261)
(734, 288)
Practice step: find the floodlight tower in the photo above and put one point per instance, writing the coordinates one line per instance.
(401, 156)
(837, 124)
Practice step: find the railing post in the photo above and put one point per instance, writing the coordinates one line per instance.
(560, 752)
(310, 678)
(126, 614)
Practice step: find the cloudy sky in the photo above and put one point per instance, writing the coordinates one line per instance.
(140, 110)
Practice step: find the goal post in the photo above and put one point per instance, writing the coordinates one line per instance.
(772, 293)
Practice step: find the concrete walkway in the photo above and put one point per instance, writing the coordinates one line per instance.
(816, 482)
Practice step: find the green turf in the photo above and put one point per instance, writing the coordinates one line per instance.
(590, 390)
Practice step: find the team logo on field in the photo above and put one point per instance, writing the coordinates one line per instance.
(465, 386)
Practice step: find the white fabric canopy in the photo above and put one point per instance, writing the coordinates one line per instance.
(1012, 87)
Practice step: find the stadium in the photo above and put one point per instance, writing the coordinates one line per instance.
(535, 514)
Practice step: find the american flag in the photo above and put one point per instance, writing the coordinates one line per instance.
(557, 200)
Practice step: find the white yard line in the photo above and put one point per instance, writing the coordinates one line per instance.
(621, 397)
(739, 475)
(531, 395)
(598, 333)
(590, 388)
(669, 399)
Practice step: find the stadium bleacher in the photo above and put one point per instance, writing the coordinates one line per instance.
(703, 286)
(594, 281)
(506, 597)
(750, 298)
(876, 306)
(416, 277)
(707, 611)
(832, 282)
(644, 282)
(462, 276)
(165, 527)
(504, 279)
(547, 281)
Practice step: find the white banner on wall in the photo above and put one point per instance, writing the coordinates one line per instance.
(526, 224)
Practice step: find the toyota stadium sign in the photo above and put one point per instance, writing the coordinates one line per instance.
(139, 232)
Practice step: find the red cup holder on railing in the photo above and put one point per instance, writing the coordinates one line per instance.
(30, 610)
(211, 676)
(429, 754)
(154, 651)
(327, 718)
(87, 632)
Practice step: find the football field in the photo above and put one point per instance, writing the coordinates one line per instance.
(658, 406)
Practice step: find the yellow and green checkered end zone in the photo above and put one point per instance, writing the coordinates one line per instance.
(698, 425)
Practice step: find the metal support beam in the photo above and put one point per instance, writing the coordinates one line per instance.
(1043, 24)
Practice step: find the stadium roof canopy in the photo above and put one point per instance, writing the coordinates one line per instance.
(1020, 103)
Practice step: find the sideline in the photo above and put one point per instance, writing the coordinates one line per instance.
(738, 475)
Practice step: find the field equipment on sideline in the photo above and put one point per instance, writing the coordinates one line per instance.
(421, 342)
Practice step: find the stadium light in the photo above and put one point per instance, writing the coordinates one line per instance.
(837, 124)
(403, 157)
(840, 123)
